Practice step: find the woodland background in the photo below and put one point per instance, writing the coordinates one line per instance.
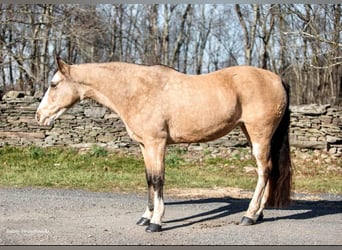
(300, 42)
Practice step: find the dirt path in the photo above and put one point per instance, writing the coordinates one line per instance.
(54, 216)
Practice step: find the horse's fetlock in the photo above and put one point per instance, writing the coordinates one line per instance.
(150, 207)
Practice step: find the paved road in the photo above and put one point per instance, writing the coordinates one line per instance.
(54, 216)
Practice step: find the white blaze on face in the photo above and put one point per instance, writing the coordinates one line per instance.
(43, 108)
(44, 102)
(56, 78)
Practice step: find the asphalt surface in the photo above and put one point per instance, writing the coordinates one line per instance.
(75, 217)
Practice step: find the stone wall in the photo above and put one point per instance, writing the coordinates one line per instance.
(88, 123)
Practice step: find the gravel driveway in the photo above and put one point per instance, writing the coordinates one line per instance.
(55, 216)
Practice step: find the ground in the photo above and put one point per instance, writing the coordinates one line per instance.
(193, 217)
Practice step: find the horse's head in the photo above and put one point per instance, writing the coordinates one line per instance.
(61, 95)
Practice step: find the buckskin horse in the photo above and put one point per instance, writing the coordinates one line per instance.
(161, 106)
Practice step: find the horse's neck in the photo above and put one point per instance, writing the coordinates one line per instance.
(108, 86)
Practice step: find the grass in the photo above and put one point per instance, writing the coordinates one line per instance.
(100, 170)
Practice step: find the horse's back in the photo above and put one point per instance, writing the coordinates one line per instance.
(241, 87)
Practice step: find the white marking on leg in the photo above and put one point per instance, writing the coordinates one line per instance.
(264, 199)
(148, 214)
(254, 205)
(256, 150)
(158, 212)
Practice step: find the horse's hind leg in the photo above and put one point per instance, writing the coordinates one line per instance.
(154, 155)
(260, 143)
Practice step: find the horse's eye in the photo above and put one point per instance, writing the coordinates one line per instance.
(53, 85)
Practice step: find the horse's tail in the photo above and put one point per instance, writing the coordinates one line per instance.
(280, 178)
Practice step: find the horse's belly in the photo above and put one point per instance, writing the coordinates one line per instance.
(202, 113)
(201, 128)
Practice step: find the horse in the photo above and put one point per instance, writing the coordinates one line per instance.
(160, 106)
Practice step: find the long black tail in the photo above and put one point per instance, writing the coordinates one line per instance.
(281, 174)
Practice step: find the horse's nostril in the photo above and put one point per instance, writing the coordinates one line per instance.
(37, 117)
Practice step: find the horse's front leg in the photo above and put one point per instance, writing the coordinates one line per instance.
(147, 216)
(154, 157)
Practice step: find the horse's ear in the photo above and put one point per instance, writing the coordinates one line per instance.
(63, 67)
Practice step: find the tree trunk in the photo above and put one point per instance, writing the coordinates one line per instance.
(180, 37)
(248, 30)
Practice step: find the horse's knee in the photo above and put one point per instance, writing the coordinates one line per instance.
(157, 182)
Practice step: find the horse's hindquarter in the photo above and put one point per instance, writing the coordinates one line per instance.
(207, 107)
(261, 95)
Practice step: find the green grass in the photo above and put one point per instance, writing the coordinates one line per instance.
(66, 168)
(100, 170)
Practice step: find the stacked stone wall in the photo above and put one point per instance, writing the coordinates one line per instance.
(88, 123)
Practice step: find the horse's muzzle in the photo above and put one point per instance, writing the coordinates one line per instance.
(38, 119)
(46, 119)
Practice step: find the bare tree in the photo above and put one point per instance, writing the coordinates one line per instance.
(249, 27)
(301, 42)
(180, 38)
(267, 23)
(319, 71)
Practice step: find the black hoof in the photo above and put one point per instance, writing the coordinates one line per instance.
(143, 222)
(153, 228)
(260, 217)
(245, 221)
